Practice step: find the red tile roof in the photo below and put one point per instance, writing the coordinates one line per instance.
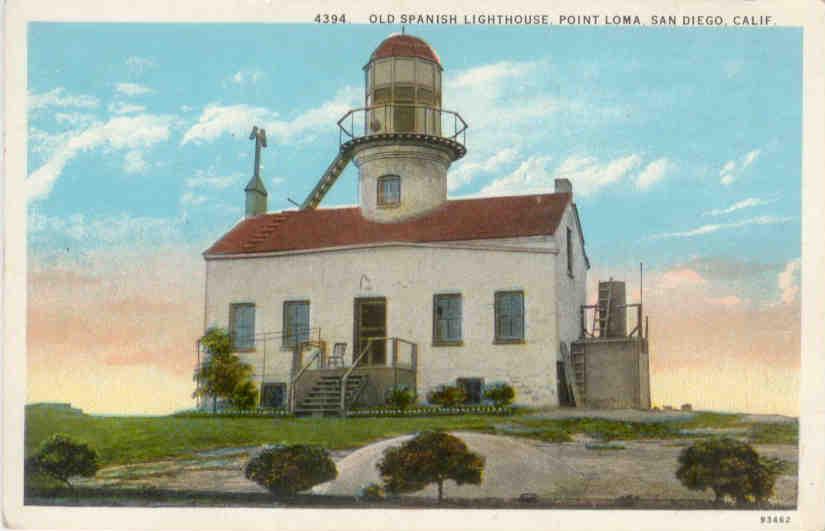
(405, 46)
(456, 220)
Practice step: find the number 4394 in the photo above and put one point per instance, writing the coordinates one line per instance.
(327, 18)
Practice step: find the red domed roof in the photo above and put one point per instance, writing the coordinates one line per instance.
(400, 45)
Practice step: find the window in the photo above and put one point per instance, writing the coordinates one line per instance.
(509, 310)
(569, 252)
(472, 388)
(273, 395)
(389, 190)
(296, 323)
(242, 326)
(447, 319)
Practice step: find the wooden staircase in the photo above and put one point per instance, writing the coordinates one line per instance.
(325, 396)
(329, 177)
(579, 377)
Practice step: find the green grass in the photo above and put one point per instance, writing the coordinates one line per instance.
(785, 433)
(122, 440)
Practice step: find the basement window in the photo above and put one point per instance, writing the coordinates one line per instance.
(273, 395)
(242, 326)
(472, 388)
(509, 312)
(389, 190)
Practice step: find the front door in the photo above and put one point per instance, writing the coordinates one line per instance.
(371, 322)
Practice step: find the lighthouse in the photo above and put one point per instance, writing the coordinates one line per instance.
(402, 141)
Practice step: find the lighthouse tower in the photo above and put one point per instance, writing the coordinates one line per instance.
(402, 140)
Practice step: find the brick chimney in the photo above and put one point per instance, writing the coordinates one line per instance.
(564, 186)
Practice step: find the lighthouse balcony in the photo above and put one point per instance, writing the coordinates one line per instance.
(402, 121)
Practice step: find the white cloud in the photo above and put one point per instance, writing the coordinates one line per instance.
(513, 104)
(207, 179)
(276, 181)
(750, 202)
(465, 172)
(134, 162)
(716, 227)
(653, 173)
(190, 198)
(788, 281)
(132, 89)
(123, 132)
(74, 119)
(732, 169)
(120, 107)
(217, 120)
(105, 229)
(58, 97)
(489, 75)
(247, 77)
(587, 174)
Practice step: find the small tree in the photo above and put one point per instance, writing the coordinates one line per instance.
(430, 457)
(400, 396)
(222, 371)
(61, 458)
(730, 468)
(244, 396)
(447, 396)
(500, 394)
(287, 470)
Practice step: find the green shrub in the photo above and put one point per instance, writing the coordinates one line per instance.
(400, 397)
(245, 396)
(447, 396)
(372, 492)
(61, 458)
(430, 457)
(730, 468)
(287, 470)
(500, 394)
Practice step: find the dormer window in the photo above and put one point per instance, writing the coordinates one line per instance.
(389, 190)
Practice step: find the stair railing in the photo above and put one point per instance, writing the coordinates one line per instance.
(345, 377)
(292, 383)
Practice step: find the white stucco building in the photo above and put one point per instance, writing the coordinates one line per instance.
(412, 286)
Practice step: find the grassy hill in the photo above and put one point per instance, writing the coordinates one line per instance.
(123, 440)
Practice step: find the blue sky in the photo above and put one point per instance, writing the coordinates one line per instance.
(683, 146)
(168, 106)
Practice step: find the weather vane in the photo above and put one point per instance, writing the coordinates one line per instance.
(259, 135)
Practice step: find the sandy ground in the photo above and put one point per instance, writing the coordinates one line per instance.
(574, 470)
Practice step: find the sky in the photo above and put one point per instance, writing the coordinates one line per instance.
(683, 146)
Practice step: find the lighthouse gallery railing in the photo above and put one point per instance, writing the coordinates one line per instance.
(410, 118)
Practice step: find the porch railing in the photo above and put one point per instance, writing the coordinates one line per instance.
(396, 362)
(263, 343)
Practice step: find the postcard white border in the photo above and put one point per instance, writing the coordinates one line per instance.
(811, 512)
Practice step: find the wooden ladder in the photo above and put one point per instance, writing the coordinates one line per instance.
(601, 316)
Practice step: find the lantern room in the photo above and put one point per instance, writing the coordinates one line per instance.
(403, 87)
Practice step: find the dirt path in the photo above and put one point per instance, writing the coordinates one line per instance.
(575, 470)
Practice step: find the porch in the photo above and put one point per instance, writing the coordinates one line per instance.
(326, 381)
